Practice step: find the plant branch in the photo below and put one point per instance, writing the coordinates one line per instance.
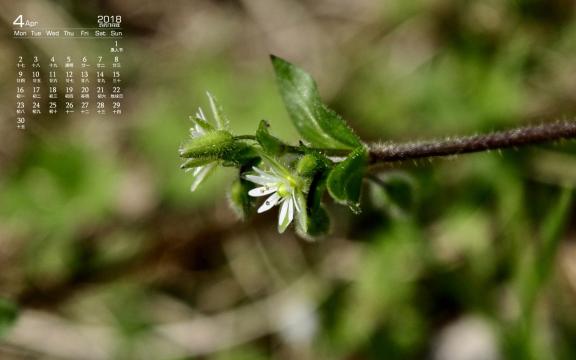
(522, 136)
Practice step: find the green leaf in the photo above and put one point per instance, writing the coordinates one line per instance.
(270, 144)
(345, 180)
(316, 123)
(8, 316)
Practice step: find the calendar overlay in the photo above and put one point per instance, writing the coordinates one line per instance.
(57, 84)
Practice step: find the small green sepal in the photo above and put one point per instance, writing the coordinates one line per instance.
(345, 179)
(270, 144)
(212, 145)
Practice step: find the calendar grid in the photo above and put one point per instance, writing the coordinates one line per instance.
(51, 85)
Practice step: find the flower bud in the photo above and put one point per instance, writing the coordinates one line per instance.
(308, 165)
(211, 145)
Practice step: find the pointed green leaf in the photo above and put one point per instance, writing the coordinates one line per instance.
(270, 144)
(316, 123)
(345, 180)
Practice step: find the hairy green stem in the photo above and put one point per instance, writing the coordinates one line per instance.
(522, 136)
(393, 152)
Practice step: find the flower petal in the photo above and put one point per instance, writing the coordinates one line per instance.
(217, 113)
(258, 180)
(200, 174)
(197, 171)
(283, 211)
(269, 203)
(201, 125)
(264, 173)
(262, 191)
(290, 210)
(295, 202)
(199, 130)
(200, 114)
(267, 175)
(194, 132)
(300, 202)
(284, 218)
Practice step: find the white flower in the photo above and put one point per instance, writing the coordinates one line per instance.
(200, 128)
(286, 192)
(200, 173)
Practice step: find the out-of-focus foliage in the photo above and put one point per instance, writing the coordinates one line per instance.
(107, 254)
(8, 315)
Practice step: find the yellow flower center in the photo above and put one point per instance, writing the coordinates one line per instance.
(284, 190)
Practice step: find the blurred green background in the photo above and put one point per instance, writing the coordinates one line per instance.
(106, 254)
